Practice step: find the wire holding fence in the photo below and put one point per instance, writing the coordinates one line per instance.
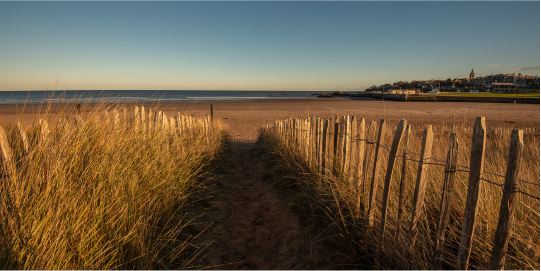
(331, 162)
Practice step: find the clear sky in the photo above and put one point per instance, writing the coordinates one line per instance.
(261, 45)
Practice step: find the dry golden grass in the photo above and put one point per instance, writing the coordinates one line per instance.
(104, 194)
(337, 199)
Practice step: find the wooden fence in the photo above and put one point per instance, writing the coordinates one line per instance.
(142, 121)
(342, 146)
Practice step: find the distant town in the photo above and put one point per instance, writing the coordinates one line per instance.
(499, 83)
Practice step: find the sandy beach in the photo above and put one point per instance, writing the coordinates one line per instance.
(244, 119)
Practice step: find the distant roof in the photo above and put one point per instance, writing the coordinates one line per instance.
(503, 84)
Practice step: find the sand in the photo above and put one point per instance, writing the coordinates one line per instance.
(255, 226)
(244, 119)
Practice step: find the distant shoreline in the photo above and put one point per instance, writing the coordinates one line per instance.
(244, 119)
(438, 98)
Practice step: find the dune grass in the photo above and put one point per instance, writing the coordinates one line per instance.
(110, 192)
(334, 201)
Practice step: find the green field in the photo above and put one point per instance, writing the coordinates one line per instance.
(492, 95)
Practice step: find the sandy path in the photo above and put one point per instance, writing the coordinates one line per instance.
(257, 230)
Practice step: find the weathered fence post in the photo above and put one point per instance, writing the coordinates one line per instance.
(446, 199)
(420, 184)
(78, 120)
(347, 147)
(476, 171)
(335, 134)
(370, 140)
(402, 189)
(314, 142)
(143, 122)
(44, 127)
(116, 119)
(125, 121)
(375, 176)
(137, 119)
(7, 153)
(361, 147)
(211, 113)
(326, 146)
(24, 138)
(354, 149)
(507, 210)
(388, 177)
(323, 147)
(150, 121)
(339, 152)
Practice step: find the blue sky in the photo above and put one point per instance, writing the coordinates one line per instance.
(261, 45)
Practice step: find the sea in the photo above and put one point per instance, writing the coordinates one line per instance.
(148, 96)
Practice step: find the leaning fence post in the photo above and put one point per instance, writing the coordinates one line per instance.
(388, 177)
(476, 171)
(354, 143)
(446, 199)
(507, 211)
(402, 191)
(7, 153)
(375, 176)
(420, 183)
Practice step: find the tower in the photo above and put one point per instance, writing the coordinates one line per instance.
(472, 74)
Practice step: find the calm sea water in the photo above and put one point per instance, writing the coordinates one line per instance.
(162, 96)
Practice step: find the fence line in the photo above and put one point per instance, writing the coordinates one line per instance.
(142, 122)
(336, 148)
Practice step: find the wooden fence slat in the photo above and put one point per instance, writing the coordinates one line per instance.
(330, 144)
(125, 120)
(507, 210)
(370, 140)
(386, 186)
(347, 147)
(78, 120)
(44, 127)
(150, 121)
(335, 134)
(402, 189)
(326, 146)
(354, 149)
(375, 176)
(476, 171)
(24, 138)
(420, 183)
(172, 126)
(7, 153)
(361, 137)
(313, 141)
(137, 118)
(143, 121)
(339, 164)
(319, 151)
(446, 199)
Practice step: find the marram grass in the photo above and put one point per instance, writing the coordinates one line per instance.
(104, 194)
(333, 196)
